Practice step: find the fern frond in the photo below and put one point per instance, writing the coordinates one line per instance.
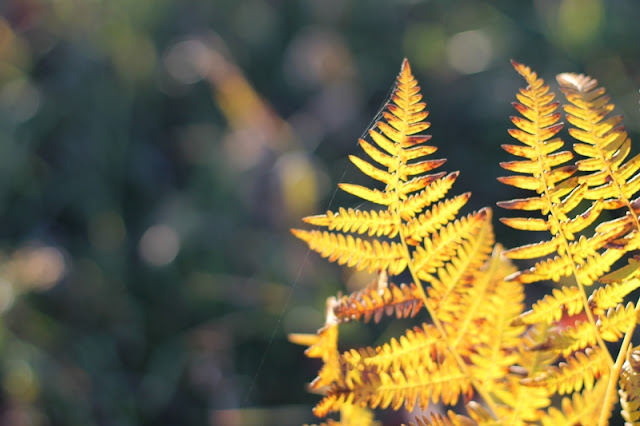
(451, 419)
(353, 415)
(433, 219)
(617, 322)
(552, 306)
(356, 252)
(349, 220)
(443, 246)
(519, 403)
(451, 282)
(604, 142)
(630, 388)
(582, 409)
(487, 294)
(620, 284)
(580, 370)
(435, 191)
(323, 345)
(397, 388)
(417, 347)
(610, 326)
(374, 301)
(494, 350)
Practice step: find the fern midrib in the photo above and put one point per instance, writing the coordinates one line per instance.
(563, 238)
(612, 385)
(403, 238)
(470, 313)
(610, 172)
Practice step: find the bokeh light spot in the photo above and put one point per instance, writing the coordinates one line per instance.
(579, 20)
(469, 52)
(19, 100)
(159, 245)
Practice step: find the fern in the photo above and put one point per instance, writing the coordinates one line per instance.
(478, 345)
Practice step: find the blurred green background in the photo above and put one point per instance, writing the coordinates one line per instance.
(154, 154)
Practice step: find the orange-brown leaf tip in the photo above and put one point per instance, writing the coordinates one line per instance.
(515, 64)
(521, 108)
(303, 339)
(485, 213)
(517, 322)
(405, 66)
(297, 232)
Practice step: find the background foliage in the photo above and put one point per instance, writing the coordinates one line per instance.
(154, 154)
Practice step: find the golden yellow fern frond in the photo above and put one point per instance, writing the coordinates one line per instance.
(416, 231)
(374, 301)
(323, 345)
(356, 252)
(451, 419)
(630, 387)
(520, 404)
(604, 142)
(452, 280)
(618, 285)
(559, 192)
(443, 246)
(432, 220)
(582, 409)
(396, 388)
(419, 346)
(353, 415)
(617, 321)
(409, 188)
(349, 220)
(611, 326)
(581, 370)
(494, 337)
(552, 306)
(486, 294)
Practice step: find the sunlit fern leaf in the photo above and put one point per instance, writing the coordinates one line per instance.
(349, 220)
(486, 294)
(436, 190)
(356, 252)
(450, 419)
(518, 403)
(443, 246)
(560, 192)
(396, 388)
(618, 285)
(603, 140)
(419, 346)
(397, 159)
(581, 370)
(374, 301)
(611, 326)
(353, 415)
(582, 409)
(630, 388)
(433, 219)
(452, 280)
(552, 306)
(495, 353)
(323, 345)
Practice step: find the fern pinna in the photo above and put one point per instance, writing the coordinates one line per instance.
(478, 346)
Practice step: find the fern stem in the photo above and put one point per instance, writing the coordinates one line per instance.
(436, 322)
(612, 384)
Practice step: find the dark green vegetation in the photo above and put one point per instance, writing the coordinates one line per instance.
(170, 208)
